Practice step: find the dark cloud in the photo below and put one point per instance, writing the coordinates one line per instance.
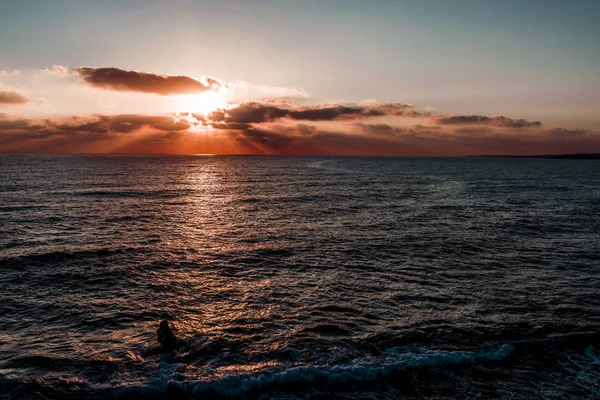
(396, 109)
(500, 120)
(134, 81)
(380, 129)
(12, 98)
(344, 112)
(330, 113)
(259, 112)
(298, 129)
(230, 126)
(250, 112)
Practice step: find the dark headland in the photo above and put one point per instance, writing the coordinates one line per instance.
(576, 156)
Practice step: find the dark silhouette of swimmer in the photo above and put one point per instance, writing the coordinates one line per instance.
(165, 335)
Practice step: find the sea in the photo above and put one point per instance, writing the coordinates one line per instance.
(292, 277)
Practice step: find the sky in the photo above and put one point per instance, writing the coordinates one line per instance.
(344, 77)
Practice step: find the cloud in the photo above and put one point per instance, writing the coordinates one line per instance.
(249, 112)
(59, 89)
(12, 98)
(380, 129)
(4, 72)
(266, 140)
(395, 109)
(20, 132)
(384, 139)
(421, 127)
(281, 101)
(9, 124)
(332, 112)
(260, 112)
(268, 128)
(474, 130)
(567, 133)
(59, 71)
(230, 125)
(134, 81)
(499, 120)
(295, 140)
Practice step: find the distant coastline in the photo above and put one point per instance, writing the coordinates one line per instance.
(576, 156)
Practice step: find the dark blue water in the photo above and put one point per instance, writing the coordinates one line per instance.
(299, 277)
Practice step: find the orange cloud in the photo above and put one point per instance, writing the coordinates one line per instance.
(25, 134)
(382, 139)
(12, 98)
(134, 81)
(257, 128)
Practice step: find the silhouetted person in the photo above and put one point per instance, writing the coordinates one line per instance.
(165, 336)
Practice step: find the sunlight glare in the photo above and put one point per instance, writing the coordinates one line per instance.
(203, 103)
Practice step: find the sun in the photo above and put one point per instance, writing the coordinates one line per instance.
(203, 103)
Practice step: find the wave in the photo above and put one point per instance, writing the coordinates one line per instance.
(411, 369)
(393, 361)
(585, 369)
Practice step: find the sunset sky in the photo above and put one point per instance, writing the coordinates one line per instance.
(340, 77)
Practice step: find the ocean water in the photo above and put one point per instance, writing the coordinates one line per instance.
(299, 277)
